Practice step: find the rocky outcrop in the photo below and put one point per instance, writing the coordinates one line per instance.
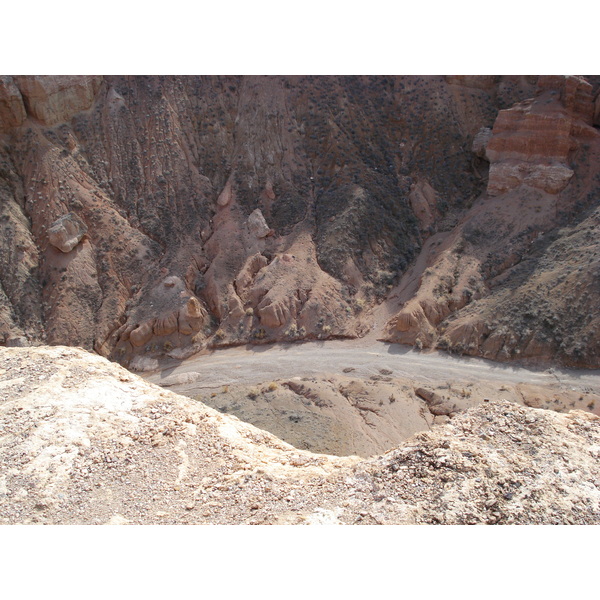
(87, 442)
(337, 183)
(492, 287)
(53, 99)
(482, 295)
(532, 142)
(12, 109)
(540, 317)
(176, 316)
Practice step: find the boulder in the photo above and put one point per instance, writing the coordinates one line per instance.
(257, 225)
(66, 232)
(437, 404)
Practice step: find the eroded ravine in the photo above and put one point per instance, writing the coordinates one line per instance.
(362, 397)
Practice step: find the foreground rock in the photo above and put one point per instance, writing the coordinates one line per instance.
(85, 441)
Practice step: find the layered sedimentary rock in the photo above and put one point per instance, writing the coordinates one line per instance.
(533, 142)
(12, 108)
(53, 99)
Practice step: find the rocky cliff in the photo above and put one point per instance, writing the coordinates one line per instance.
(508, 281)
(143, 216)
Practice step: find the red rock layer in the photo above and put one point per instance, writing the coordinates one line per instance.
(532, 142)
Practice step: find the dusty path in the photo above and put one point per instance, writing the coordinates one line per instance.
(255, 364)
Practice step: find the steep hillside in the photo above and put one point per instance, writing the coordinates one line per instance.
(519, 276)
(143, 216)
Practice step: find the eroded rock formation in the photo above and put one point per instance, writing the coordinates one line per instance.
(533, 142)
(284, 207)
(497, 285)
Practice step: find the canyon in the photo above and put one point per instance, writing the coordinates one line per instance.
(159, 216)
(335, 260)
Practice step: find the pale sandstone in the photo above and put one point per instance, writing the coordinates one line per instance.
(423, 200)
(480, 142)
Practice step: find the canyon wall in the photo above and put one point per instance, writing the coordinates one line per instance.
(143, 216)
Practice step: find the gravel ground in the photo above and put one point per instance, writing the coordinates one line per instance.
(83, 441)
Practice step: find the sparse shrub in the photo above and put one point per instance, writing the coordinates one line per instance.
(292, 331)
(443, 343)
(259, 334)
